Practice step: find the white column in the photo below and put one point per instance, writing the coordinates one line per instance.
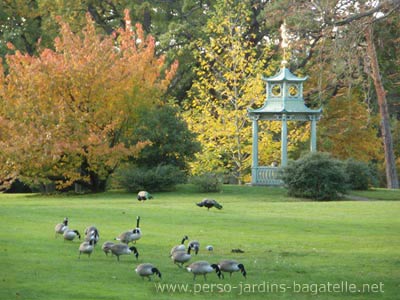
(313, 145)
(254, 164)
(284, 141)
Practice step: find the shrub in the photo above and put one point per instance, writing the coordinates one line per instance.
(359, 174)
(207, 182)
(171, 141)
(161, 178)
(317, 176)
(19, 187)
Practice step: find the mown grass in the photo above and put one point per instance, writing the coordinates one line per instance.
(286, 241)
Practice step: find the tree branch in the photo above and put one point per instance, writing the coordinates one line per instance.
(378, 8)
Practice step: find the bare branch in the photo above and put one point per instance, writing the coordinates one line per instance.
(378, 8)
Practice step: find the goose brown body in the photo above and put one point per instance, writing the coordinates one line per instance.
(203, 268)
(106, 247)
(86, 248)
(70, 235)
(147, 270)
(180, 247)
(231, 266)
(123, 249)
(131, 235)
(181, 257)
(60, 228)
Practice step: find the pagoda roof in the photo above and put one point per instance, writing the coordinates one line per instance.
(284, 107)
(284, 103)
(284, 75)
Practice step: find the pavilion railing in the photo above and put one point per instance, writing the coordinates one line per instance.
(266, 176)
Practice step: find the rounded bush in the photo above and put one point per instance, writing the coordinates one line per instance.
(359, 174)
(161, 178)
(317, 176)
(207, 182)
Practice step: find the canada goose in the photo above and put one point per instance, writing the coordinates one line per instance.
(92, 233)
(132, 235)
(106, 247)
(194, 245)
(127, 237)
(209, 203)
(202, 268)
(143, 195)
(70, 234)
(231, 266)
(61, 227)
(137, 232)
(86, 247)
(180, 257)
(123, 249)
(146, 270)
(90, 229)
(180, 247)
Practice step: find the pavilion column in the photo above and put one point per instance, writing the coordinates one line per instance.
(254, 164)
(284, 141)
(313, 145)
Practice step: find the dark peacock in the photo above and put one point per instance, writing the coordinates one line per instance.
(209, 203)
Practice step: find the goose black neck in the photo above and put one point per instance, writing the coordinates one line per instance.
(217, 270)
(241, 267)
(156, 271)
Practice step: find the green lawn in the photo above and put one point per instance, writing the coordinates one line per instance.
(292, 247)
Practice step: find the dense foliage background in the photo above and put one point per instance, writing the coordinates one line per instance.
(213, 53)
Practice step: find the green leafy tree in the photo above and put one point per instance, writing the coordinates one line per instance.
(20, 24)
(170, 141)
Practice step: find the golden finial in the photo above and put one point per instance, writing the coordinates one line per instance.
(285, 42)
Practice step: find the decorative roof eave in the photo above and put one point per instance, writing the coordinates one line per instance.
(284, 75)
(262, 111)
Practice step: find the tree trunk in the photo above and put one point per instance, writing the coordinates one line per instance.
(390, 161)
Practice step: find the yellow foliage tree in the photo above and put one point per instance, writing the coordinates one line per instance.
(228, 83)
(347, 129)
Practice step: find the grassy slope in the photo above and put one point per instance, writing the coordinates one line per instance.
(285, 241)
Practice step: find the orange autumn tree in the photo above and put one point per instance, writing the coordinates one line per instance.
(66, 116)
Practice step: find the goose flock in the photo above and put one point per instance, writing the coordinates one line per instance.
(179, 254)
